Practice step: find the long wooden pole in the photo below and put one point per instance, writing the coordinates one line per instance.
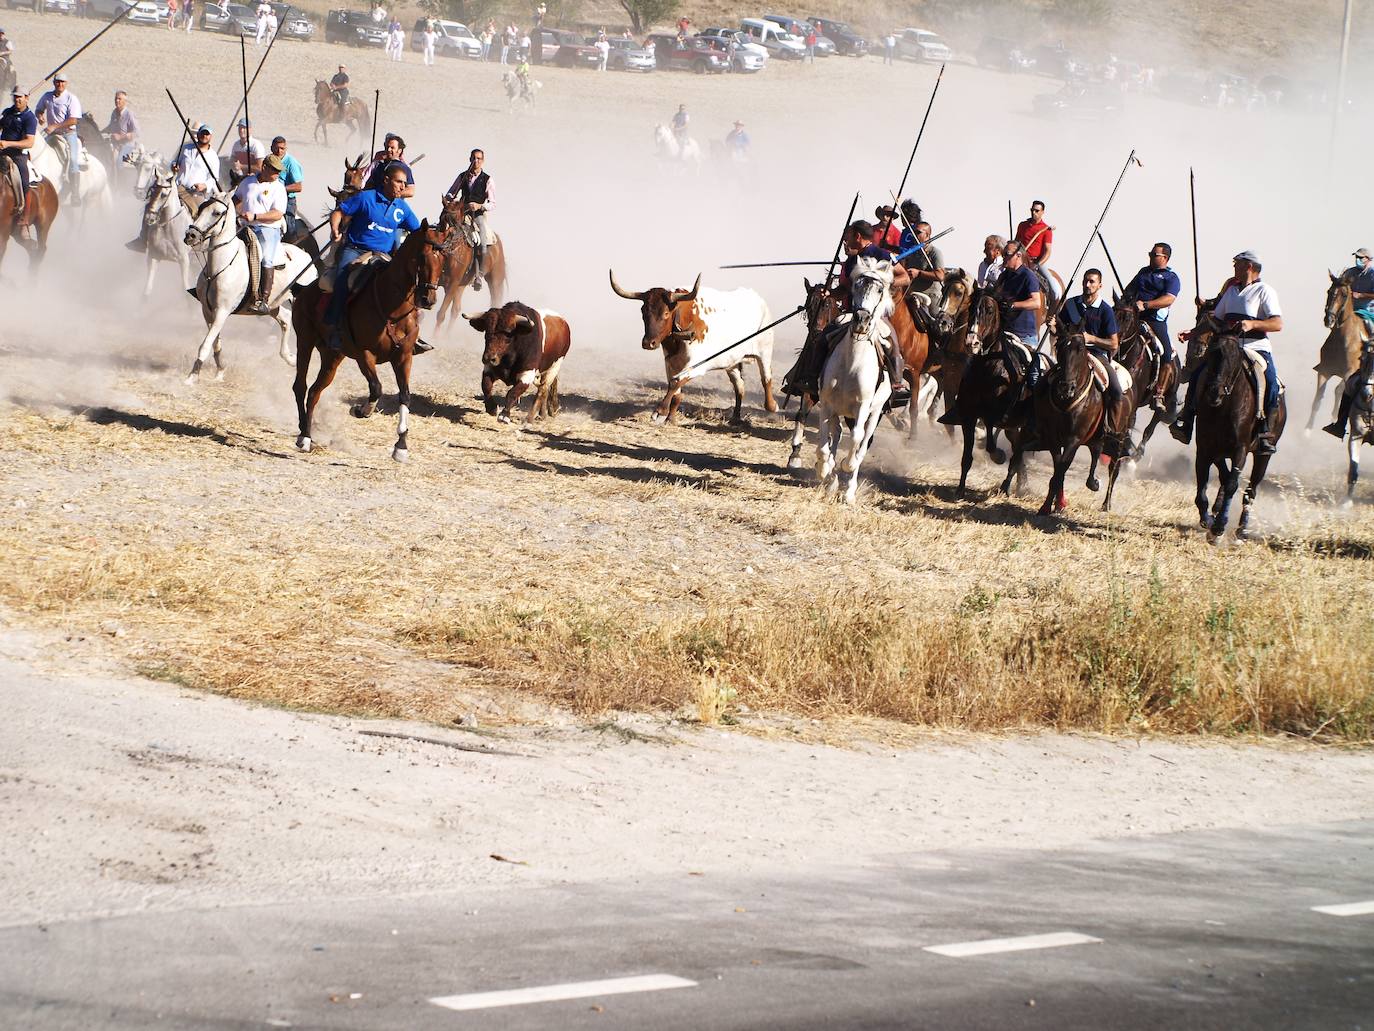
(68, 60)
(1192, 202)
(916, 146)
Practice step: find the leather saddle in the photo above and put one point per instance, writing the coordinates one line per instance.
(1123, 375)
(10, 170)
(358, 273)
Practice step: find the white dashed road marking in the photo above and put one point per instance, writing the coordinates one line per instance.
(557, 992)
(1030, 941)
(1347, 909)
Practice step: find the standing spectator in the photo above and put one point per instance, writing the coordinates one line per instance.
(271, 23)
(508, 38)
(188, 14)
(811, 44)
(526, 44)
(889, 49)
(264, 12)
(397, 38)
(488, 38)
(172, 7)
(430, 37)
(603, 49)
(682, 24)
(537, 55)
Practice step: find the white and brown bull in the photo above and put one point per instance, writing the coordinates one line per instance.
(524, 347)
(692, 326)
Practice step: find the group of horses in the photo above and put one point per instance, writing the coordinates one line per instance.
(960, 352)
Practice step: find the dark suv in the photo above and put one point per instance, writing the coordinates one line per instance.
(354, 28)
(846, 40)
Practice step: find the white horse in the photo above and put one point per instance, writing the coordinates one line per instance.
(686, 155)
(92, 183)
(855, 385)
(164, 220)
(224, 281)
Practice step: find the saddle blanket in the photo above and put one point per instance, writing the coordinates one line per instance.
(359, 271)
(1014, 343)
(1123, 376)
(1257, 364)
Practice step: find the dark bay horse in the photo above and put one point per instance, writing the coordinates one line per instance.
(1340, 353)
(329, 112)
(45, 205)
(823, 306)
(949, 347)
(1154, 381)
(381, 325)
(1227, 418)
(460, 269)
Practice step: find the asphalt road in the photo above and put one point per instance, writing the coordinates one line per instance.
(1193, 931)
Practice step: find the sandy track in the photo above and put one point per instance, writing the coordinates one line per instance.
(123, 795)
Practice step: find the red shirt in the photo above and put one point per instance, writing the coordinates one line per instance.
(893, 240)
(1041, 233)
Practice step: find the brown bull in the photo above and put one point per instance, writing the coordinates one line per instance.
(523, 347)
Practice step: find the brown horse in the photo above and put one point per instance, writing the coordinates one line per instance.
(1340, 353)
(915, 345)
(949, 344)
(329, 112)
(989, 392)
(1069, 413)
(460, 269)
(381, 324)
(1227, 418)
(1154, 382)
(45, 206)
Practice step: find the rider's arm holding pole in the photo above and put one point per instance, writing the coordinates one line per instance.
(336, 223)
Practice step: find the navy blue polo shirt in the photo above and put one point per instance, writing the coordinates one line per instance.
(870, 251)
(18, 125)
(1018, 285)
(1097, 320)
(1151, 283)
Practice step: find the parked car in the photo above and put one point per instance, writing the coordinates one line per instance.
(1054, 60)
(697, 56)
(51, 6)
(239, 19)
(354, 28)
(1003, 55)
(847, 41)
(628, 56)
(742, 43)
(773, 38)
(567, 50)
(741, 60)
(799, 27)
(920, 45)
(148, 12)
(1079, 102)
(113, 8)
(453, 39)
(292, 23)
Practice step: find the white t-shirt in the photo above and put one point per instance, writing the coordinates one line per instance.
(988, 271)
(1257, 301)
(241, 152)
(255, 198)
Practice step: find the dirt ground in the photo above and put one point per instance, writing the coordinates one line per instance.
(601, 562)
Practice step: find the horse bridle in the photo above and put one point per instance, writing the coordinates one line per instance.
(208, 234)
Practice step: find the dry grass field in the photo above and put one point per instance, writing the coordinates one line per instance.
(600, 562)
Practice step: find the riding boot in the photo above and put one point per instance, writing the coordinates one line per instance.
(1337, 428)
(266, 274)
(479, 258)
(1181, 429)
(26, 218)
(141, 244)
(1264, 438)
(900, 395)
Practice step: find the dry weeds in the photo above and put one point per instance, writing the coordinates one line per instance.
(606, 564)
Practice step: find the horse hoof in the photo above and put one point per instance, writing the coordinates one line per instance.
(304, 444)
(191, 380)
(1093, 484)
(658, 419)
(219, 376)
(503, 417)
(1212, 538)
(999, 457)
(400, 454)
(1044, 509)
(360, 411)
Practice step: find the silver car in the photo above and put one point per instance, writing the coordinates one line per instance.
(628, 56)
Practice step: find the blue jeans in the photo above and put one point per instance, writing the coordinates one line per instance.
(1033, 370)
(1161, 332)
(269, 237)
(73, 153)
(348, 254)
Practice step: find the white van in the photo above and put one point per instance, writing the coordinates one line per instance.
(771, 37)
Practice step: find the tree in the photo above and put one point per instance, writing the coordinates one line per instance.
(643, 13)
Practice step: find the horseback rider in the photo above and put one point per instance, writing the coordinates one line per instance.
(911, 214)
(391, 156)
(1036, 236)
(990, 268)
(374, 220)
(1360, 278)
(261, 202)
(887, 231)
(245, 156)
(338, 86)
(1100, 331)
(927, 268)
(1154, 289)
(197, 169)
(1248, 307)
(122, 128)
(1018, 290)
(473, 189)
(18, 132)
(679, 123)
(59, 111)
(292, 179)
(858, 242)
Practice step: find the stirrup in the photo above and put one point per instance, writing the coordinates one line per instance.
(1336, 430)
(421, 346)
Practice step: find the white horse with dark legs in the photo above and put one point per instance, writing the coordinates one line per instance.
(163, 224)
(855, 385)
(225, 280)
(684, 154)
(92, 183)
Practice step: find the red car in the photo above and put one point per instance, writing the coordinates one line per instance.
(698, 56)
(566, 49)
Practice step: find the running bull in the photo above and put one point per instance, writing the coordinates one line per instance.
(524, 347)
